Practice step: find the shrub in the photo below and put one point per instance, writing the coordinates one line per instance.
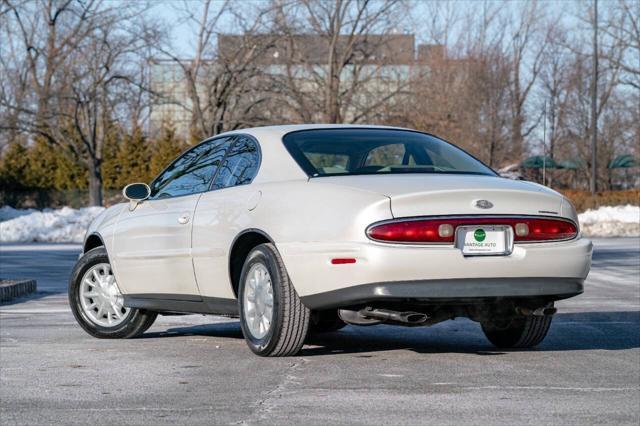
(583, 200)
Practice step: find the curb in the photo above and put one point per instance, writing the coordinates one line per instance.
(10, 289)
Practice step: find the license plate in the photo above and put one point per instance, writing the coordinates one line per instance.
(484, 240)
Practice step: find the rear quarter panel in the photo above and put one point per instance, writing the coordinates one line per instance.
(313, 212)
(291, 213)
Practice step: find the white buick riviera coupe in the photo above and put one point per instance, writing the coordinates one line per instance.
(303, 229)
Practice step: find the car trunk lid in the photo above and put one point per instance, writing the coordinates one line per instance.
(448, 194)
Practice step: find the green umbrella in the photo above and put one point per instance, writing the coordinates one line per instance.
(623, 162)
(538, 162)
(572, 164)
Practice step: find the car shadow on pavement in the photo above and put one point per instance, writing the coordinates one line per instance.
(230, 329)
(569, 332)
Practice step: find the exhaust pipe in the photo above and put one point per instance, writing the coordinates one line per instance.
(413, 318)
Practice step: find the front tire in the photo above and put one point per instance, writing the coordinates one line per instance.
(517, 332)
(96, 301)
(273, 319)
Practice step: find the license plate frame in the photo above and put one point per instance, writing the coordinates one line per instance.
(470, 246)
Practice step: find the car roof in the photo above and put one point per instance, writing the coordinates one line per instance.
(277, 164)
(281, 130)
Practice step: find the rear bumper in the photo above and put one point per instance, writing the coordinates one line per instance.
(435, 291)
(426, 272)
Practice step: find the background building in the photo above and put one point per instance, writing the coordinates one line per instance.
(375, 71)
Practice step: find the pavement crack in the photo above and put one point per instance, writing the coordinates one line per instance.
(267, 403)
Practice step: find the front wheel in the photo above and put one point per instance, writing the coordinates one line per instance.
(517, 332)
(96, 301)
(273, 319)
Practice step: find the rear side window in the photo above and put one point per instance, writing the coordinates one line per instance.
(192, 172)
(240, 166)
(353, 151)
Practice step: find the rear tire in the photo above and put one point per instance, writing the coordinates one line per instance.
(517, 332)
(134, 321)
(264, 281)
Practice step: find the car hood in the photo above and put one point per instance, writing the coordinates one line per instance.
(441, 194)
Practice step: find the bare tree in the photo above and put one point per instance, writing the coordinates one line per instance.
(567, 86)
(462, 91)
(555, 86)
(14, 77)
(71, 72)
(529, 40)
(621, 31)
(78, 58)
(220, 78)
(343, 60)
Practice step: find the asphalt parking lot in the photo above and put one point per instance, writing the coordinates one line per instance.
(198, 370)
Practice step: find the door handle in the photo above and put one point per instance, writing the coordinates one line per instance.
(184, 219)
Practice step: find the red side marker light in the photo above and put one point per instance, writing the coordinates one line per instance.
(342, 261)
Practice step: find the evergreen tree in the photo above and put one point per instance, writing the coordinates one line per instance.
(14, 167)
(110, 166)
(51, 168)
(40, 166)
(69, 174)
(165, 150)
(133, 158)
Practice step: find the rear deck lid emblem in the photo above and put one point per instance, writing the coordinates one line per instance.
(484, 204)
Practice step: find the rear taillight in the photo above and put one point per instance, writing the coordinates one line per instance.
(547, 230)
(413, 231)
(442, 230)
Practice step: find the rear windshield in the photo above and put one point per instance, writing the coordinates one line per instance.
(335, 152)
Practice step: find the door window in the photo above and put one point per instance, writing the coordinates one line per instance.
(192, 172)
(240, 166)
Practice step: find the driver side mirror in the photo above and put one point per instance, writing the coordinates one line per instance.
(136, 193)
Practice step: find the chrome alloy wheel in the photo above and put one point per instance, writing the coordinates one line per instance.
(258, 301)
(100, 297)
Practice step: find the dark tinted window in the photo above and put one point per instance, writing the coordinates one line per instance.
(240, 166)
(386, 154)
(192, 172)
(331, 152)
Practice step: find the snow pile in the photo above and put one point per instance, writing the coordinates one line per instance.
(65, 225)
(618, 221)
(7, 213)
